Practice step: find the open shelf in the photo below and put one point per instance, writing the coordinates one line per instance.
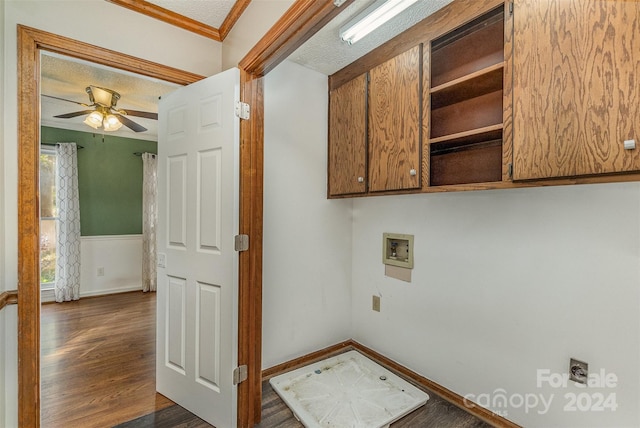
(472, 47)
(467, 115)
(472, 85)
(473, 136)
(479, 162)
(467, 83)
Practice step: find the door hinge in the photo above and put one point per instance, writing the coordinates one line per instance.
(510, 8)
(241, 242)
(510, 169)
(243, 110)
(338, 3)
(240, 374)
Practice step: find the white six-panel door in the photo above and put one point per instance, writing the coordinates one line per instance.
(198, 146)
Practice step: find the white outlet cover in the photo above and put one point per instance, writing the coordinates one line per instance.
(162, 260)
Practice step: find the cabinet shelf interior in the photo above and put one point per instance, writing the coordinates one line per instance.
(490, 133)
(473, 85)
(471, 48)
(467, 115)
(478, 162)
(466, 109)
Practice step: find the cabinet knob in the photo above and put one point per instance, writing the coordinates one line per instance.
(360, 179)
(412, 172)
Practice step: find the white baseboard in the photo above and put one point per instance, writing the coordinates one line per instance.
(104, 292)
(49, 295)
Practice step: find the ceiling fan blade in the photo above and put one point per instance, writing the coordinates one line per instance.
(138, 113)
(130, 124)
(74, 114)
(70, 101)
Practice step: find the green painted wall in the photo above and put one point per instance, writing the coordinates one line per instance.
(109, 180)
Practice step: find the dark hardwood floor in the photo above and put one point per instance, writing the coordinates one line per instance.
(98, 370)
(98, 361)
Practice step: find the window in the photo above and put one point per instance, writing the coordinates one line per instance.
(48, 219)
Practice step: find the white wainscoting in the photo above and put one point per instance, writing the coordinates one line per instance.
(119, 256)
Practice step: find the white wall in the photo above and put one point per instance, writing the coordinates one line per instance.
(120, 257)
(256, 20)
(505, 283)
(10, 345)
(7, 315)
(99, 23)
(307, 238)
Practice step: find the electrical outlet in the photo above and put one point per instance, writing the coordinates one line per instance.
(376, 303)
(578, 371)
(100, 271)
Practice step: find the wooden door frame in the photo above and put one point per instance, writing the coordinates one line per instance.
(303, 19)
(30, 42)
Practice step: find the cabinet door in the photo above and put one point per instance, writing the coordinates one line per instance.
(394, 123)
(348, 137)
(576, 87)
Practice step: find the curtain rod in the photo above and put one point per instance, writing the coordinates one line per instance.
(140, 154)
(53, 144)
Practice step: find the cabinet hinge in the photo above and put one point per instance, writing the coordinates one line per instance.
(510, 8)
(241, 242)
(510, 170)
(240, 374)
(243, 110)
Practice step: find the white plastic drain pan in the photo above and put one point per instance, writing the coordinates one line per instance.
(347, 391)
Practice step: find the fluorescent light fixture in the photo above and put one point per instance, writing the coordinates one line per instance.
(371, 18)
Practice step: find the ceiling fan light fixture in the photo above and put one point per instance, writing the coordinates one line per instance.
(105, 114)
(371, 18)
(111, 123)
(94, 120)
(104, 97)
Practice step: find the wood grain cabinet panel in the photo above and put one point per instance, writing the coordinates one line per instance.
(394, 123)
(576, 87)
(348, 138)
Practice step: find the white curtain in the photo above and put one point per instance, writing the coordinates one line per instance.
(149, 221)
(68, 234)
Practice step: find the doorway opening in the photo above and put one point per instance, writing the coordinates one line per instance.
(77, 345)
(30, 43)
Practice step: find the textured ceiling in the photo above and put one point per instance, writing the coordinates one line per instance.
(326, 53)
(210, 12)
(67, 78)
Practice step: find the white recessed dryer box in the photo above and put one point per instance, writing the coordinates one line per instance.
(397, 250)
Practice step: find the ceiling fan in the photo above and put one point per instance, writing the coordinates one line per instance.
(104, 111)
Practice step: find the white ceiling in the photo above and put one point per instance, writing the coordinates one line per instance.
(67, 78)
(210, 12)
(327, 53)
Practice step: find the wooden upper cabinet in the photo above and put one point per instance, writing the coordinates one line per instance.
(576, 87)
(348, 137)
(395, 123)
